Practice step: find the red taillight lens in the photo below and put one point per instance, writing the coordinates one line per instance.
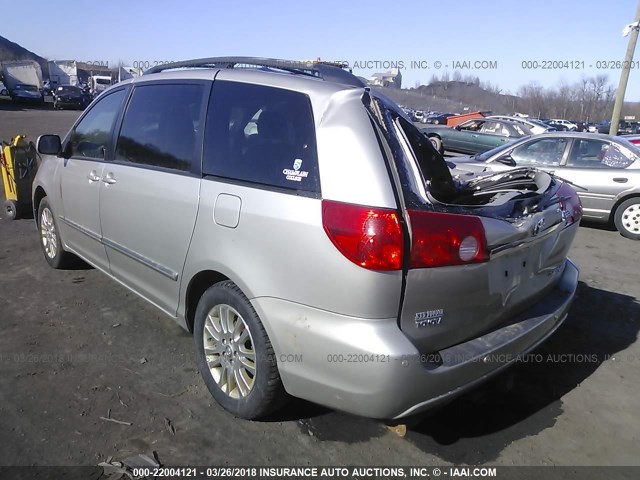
(569, 204)
(440, 239)
(369, 237)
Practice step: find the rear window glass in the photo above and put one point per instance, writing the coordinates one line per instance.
(263, 135)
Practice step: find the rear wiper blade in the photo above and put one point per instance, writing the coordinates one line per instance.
(568, 181)
(517, 173)
(501, 190)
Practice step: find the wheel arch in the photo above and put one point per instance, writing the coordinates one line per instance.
(198, 284)
(619, 201)
(38, 195)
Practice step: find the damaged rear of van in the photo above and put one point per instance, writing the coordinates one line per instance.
(480, 265)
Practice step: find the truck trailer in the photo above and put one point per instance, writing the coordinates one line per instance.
(23, 80)
(63, 72)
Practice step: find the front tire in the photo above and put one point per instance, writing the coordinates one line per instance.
(234, 353)
(54, 253)
(627, 218)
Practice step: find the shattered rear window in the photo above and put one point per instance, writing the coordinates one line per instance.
(615, 157)
(412, 151)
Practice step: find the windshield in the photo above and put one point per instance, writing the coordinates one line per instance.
(483, 157)
(28, 88)
(103, 81)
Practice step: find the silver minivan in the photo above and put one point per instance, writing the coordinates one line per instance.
(308, 235)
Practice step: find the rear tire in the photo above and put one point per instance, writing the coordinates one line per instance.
(11, 209)
(234, 353)
(50, 242)
(627, 218)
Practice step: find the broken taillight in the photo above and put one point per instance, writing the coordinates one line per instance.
(570, 204)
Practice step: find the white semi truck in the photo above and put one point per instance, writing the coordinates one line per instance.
(99, 83)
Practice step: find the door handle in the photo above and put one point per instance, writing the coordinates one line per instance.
(109, 180)
(93, 177)
(621, 180)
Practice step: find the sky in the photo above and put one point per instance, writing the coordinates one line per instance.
(509, 43)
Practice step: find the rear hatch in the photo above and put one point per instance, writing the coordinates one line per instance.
(482, 248)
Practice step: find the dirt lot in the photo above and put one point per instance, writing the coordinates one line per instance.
(75, 346)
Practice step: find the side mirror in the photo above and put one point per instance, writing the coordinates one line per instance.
(457, 127)
(507, 160)
(49, 145)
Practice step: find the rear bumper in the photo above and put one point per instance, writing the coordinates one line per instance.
(370, 368)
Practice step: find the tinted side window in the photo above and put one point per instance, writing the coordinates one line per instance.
(261, 134)
(598, 154)
(160, 125)
(89, 138)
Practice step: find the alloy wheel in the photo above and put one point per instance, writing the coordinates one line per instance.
(48, 233)
(229, 351)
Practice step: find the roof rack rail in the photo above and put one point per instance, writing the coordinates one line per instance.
(328, 71)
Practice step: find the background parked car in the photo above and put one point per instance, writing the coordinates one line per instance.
(581, 126)
(409, 111)
(69, 96)
(535, 126)
(606, 167)
(560, 127)
(475, 136)
(635, 139)
(624, 128)
(572, 127)
(27, 94)
(438, 118)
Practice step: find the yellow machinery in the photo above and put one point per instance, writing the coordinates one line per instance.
(18, 164)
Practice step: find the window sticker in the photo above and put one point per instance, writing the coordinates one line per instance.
(295, 174)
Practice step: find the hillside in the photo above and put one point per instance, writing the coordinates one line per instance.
(12, 51)
(453, 96)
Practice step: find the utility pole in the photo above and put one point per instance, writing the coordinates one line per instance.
(624, 76)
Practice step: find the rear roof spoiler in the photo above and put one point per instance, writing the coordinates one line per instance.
(327, 71)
